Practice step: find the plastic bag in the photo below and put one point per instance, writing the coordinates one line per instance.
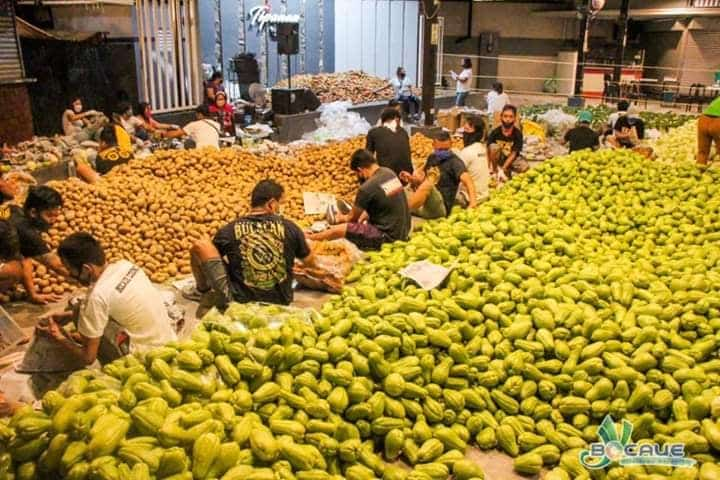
(337, 123)
(558, 121)
(333, 262)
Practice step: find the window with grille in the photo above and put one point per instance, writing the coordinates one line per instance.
(170, 66)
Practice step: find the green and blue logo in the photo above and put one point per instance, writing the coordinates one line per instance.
(616, 446)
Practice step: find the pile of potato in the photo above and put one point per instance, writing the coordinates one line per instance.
(353, 86)
(150, 211)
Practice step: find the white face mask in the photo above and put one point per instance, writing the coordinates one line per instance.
(77, 108)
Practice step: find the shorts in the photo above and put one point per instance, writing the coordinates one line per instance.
(434, 206)
(216, 274)
(366, 236)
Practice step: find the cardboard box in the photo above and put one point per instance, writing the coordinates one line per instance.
(449, 119)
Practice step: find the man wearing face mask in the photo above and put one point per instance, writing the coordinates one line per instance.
(251, 259)
(41, 209)
(390, 143)
(439, 179)
(381, 199)
(120, 292)
(403, 90)
(505, 144)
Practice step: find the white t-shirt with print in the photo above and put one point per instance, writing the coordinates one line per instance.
(125, 294)
(205, 133)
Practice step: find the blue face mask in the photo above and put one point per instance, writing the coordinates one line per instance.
(442, 154)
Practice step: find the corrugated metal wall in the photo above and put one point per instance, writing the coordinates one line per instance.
(702, 57)
(664, 51)
(377, 36)
(238, 36)
(11, 67)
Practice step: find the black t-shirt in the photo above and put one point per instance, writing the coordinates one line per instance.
(392, 149)
(507, 144)
(261, 250)
(110, 158)
(622, 123)
(451, 169)
(29, 234)
(582, 137)
(383, 198)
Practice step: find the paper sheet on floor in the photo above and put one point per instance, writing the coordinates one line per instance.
(426, 274)
(316, 203)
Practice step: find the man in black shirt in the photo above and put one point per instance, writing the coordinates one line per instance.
(251, 259)
(582, 136)
(440, 177)
(381, 197)
(624, 134)
(505, 144)
(41, 209)
(390, 143)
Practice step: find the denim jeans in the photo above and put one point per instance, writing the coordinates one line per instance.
(411, 103)
(460, 99)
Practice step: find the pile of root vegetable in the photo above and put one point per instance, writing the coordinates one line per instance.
(151, 210)
(352, 86)
(588, 286)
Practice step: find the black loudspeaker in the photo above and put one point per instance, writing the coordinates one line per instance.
(288, 101)
(288, 38)
(246, 67)
(312, 102)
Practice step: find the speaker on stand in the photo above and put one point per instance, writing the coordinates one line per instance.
(291, 100)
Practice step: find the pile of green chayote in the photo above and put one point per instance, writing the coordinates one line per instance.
(586, 287)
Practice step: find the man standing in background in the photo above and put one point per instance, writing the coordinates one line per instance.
(390, 143)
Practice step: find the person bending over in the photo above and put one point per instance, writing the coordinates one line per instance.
(390, 142)
(582, 137)
(251, 259)
(41, 209)
(435, 185)
(120, 292)
(109, 156)
(624, 134)
(505, 144)
(204, 132)
(381, 199)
